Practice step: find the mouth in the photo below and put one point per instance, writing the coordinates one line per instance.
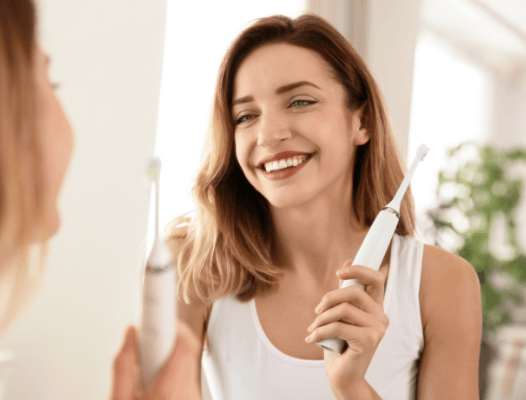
(284, 163)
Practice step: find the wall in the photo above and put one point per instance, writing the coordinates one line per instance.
(391, 34)
(107, 56)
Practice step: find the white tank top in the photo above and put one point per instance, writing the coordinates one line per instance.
(241, 363)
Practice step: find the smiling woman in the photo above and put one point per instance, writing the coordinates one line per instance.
(329, 132)
(299, 160)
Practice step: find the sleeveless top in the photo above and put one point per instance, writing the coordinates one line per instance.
(241, 363)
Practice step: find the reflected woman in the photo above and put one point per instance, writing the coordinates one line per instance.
(300, 157)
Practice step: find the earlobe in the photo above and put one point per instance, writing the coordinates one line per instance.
(362, 134)
(362, 137)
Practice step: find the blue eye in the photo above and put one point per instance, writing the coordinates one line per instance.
(240, 119)
(307, 102)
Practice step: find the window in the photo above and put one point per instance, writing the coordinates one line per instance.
(451, 104)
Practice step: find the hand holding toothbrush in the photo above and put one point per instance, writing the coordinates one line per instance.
(376, 242)
(172, 382)
(357, 317)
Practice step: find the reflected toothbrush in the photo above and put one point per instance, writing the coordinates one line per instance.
(375, 244)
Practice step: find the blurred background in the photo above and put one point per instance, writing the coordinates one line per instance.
(137, 78)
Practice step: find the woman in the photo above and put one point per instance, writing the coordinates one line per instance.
(36, 143)
(299, 160)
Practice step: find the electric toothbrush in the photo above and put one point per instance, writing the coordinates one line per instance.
(158, 325)
(375, 244)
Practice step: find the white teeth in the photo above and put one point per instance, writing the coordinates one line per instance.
(285, 163)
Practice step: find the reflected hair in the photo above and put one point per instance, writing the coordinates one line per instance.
(22, 210)
(225, 248)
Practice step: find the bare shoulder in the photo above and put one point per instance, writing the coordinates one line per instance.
(448, 282)
(196, 313)
(451, 310)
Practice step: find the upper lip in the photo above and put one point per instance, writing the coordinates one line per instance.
(282, 155)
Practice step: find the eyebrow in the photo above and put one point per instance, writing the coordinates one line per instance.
(281, 90)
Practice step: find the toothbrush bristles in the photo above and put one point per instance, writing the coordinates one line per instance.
(425, 154)
(152, 167)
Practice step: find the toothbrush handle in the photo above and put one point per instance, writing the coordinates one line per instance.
(371, 254)
(157, 332)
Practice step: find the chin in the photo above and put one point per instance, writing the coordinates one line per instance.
(283, 202)
(52, 228)
(53, 224)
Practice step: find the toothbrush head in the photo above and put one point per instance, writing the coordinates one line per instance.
(153, 168)
(397, 200)
(421, 152)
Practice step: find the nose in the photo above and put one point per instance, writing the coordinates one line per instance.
(272, 130)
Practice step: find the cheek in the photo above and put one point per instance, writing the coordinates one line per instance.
(58, 146)
(242, 154)
(336, 143)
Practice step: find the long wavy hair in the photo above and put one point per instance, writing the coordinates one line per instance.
(226, 247)
(23, 220)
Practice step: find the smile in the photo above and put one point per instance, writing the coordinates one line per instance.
(284, 168)
(285, 163)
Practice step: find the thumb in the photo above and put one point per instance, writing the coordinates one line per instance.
(124, 368)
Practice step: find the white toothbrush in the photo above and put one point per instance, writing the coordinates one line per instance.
(375, 244)
(159, 313)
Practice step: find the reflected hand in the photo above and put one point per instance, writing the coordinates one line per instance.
(175, 381)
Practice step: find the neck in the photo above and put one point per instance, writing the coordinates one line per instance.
(313, 240)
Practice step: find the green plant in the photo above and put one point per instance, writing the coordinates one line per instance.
(472, 196)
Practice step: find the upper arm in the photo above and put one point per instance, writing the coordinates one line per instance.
(194, 315)
(451, 310)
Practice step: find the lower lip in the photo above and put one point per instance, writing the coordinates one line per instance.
(274, 176)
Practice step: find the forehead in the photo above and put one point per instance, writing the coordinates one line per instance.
(275, 65)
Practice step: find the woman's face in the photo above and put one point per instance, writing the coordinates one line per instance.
(56, 138)
(285, 100)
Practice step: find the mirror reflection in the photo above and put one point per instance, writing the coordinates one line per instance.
(266, 258)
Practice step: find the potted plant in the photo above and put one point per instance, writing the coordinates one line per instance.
(475, 193)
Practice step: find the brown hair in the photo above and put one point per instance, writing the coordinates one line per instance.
(226, 248)
(22, 212)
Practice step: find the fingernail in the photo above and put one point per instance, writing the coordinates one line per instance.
(309, 328)
(308, 339)
(126, 341)
(318, 309)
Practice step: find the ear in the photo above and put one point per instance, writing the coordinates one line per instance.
(361, 134)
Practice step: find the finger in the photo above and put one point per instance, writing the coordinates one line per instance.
(374, 281)
(344, 312)
(179, 369)
(367, 337)
(355, 295)
(366, 276)
(124, 368)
